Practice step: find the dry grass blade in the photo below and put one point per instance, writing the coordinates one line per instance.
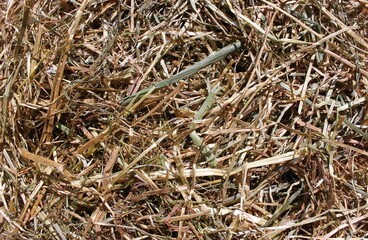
(49, 124)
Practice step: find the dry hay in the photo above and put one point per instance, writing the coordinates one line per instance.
(259, 131)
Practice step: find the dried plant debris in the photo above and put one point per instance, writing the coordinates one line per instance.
(184, 119)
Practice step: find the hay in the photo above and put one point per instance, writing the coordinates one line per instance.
(183, 119)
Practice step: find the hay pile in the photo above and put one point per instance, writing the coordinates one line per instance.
(183, 119)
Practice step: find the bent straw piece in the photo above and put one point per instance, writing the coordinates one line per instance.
(212, 58)
(197, 140)
(47, 162)
(40, 159)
